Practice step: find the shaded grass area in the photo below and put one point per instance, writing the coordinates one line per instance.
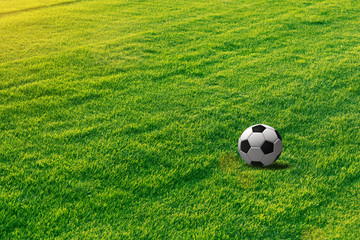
(120, 119)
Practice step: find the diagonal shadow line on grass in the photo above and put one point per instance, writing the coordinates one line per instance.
(39, 7)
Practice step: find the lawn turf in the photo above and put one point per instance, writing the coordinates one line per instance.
(120, 119)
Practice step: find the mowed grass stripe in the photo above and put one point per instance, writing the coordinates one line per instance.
(37, 8)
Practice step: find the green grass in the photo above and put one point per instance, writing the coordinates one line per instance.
(120, 119)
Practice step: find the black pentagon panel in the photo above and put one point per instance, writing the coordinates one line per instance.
(258, 128)
(245, 146)
(256, 164)
(278, 135)
(267, 147)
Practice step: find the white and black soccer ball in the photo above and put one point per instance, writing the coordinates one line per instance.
(260, 145)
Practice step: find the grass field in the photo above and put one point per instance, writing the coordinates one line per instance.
(120, 119)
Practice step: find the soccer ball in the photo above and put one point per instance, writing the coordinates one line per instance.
(260, 145)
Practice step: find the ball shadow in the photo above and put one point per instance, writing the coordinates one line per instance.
(279, 166)
(274, 166)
